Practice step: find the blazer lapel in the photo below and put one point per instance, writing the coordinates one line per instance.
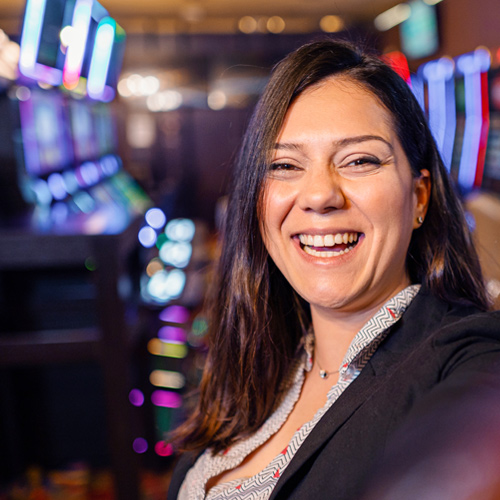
(341, 411)
(407, 331)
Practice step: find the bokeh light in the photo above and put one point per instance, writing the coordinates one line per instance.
(156, 347)
(166, 399)
(147, 236)
(172, 334)
(180, 230)
(163, 449)
(167, 378)
(140, 445)
(175, 314)
(155, 218)
(136, 397)
(176, 253)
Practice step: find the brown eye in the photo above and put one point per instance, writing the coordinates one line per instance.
(282, 166)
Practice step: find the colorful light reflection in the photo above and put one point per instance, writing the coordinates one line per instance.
(166, 399)
(172, 334)
(163, 449)
(30, 43)
(101, 57)
(76, 50)
(167, 349)
(474, 67)
(136, 397)
(439, 76)
(140, 445)
(167, 378)
(175, 314)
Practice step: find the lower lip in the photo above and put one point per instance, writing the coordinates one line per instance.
(329, 260)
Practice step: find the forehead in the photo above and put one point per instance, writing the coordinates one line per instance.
(338, 101)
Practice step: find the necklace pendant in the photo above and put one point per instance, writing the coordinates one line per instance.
(323, 374)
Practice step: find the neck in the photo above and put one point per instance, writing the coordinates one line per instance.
(335, 329)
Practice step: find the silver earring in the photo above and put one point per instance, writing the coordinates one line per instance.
(420, 219)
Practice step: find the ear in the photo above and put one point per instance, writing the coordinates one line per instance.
(422, 190)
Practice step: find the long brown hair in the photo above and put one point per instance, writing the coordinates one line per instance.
(256, 318)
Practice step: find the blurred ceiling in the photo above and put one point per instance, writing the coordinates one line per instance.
(218, 16)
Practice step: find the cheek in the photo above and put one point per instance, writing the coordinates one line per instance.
(277, 203)
(389, 205)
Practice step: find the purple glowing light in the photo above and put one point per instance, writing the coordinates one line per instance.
(166, 399)
(140, 445)
(175, 314)
(172, 334)
(136, 397)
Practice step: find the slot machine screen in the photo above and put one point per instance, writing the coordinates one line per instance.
(82, 130)
(105, 128)
(45, 137)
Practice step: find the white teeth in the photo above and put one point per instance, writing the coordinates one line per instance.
(328, 240)
(318, 241)
(326, 255)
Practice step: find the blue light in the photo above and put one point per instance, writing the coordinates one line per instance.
(42, 192)
(176, 253)
(147, 237)
(180, 230)
(155, 218)
(442, 110)
(30, 43)
(70, 181)
(57, 186)
(471, 66)
(101, 57)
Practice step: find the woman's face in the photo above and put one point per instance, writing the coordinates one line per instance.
(340, 201)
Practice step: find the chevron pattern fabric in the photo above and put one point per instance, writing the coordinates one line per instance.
(260, 486)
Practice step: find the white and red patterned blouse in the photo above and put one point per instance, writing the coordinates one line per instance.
(260, 486)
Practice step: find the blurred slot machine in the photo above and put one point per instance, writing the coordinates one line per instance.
(63, 124)
(461, 98)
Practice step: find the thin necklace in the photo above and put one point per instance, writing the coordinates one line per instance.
(324, 373)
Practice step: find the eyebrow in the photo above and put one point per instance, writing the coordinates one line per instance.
(340, 143)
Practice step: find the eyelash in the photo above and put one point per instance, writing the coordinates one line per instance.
(365, 160)
(358, 162)
(282, 166)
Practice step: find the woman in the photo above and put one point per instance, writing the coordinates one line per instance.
(345, 253)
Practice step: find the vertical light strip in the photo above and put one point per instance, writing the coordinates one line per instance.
(76, 50)
(32, 30)
(472, 66)
(485, 128)
(442, 109)
(30, 43)
(101, 57)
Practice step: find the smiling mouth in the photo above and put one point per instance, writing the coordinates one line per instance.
(328, 246)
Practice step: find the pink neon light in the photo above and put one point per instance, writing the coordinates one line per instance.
(76, 50)
(163, 449)
(485, 127)
(166, 399)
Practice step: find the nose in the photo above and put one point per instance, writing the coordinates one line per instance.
(321, 191)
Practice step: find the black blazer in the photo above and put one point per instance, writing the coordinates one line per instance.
(436, 353)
